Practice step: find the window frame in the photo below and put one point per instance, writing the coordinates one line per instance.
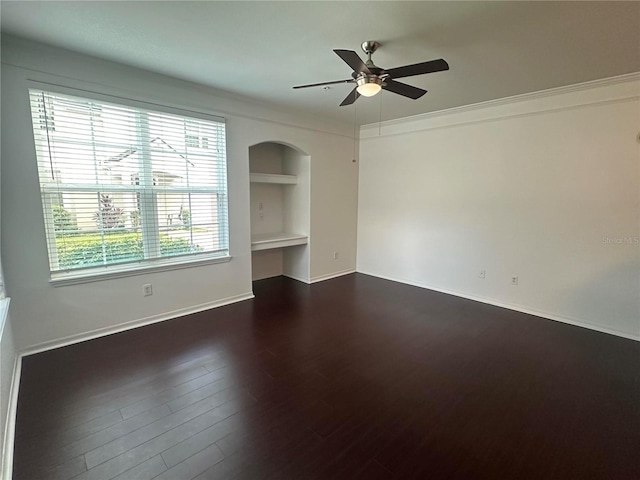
(146, 265)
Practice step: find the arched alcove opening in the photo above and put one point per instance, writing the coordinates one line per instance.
(280, 210)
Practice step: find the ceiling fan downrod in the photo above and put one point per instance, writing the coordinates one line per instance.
(369, 47)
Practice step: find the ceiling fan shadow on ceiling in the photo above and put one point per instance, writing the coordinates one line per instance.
(370, 79)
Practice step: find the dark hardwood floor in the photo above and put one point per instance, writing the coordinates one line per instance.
(351, 378)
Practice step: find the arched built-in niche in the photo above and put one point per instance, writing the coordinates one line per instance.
(280, 211)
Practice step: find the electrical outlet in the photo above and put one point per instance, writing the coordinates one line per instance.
(335, 255)
(260, 206)
(482, 274)
(147, 290)
(514, 280)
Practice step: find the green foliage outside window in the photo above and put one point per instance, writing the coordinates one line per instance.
(62, 219)
(87, 250)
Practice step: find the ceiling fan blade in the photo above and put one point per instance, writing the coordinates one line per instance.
(350, 80)
(352, 59)
(349, 99)
(403, 89)
(418, 69)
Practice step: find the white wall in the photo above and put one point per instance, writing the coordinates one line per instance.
(334, 193)
(529, 187)
(44, 315)
(8, 358)
(8, 363)
(267, 264)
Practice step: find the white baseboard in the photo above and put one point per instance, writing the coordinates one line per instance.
(329, 276)
(320, 278)
(101, 332)
(257, 279)
(299, 278)
(10, 427)
(517, 308)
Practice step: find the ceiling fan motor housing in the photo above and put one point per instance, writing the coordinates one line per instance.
(363, 78)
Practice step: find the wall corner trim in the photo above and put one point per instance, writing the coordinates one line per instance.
(517, 308)
(101, 332)
(4, 313)
(8, 437)
(8, 434)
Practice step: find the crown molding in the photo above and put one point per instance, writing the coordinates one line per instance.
(423, 121)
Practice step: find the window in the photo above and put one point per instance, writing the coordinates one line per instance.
(128, 188)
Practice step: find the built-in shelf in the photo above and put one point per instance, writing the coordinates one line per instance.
(280, 202)
(277, 240)
(274, 178)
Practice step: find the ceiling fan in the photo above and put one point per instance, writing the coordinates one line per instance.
(370, 79)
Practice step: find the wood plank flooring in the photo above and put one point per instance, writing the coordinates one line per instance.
(351, 378)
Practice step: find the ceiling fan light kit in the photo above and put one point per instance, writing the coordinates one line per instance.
(370, 79)
(368, 85)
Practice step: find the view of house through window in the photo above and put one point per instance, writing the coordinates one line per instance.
(122, 184)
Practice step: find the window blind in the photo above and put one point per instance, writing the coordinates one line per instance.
(124, 185)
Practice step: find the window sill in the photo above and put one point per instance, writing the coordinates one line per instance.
(107, 273)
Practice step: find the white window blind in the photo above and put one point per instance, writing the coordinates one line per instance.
(128, 186)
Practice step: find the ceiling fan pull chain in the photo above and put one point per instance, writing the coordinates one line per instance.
(355, 131)
(380, 116)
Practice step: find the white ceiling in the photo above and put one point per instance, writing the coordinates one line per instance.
(261, 49)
